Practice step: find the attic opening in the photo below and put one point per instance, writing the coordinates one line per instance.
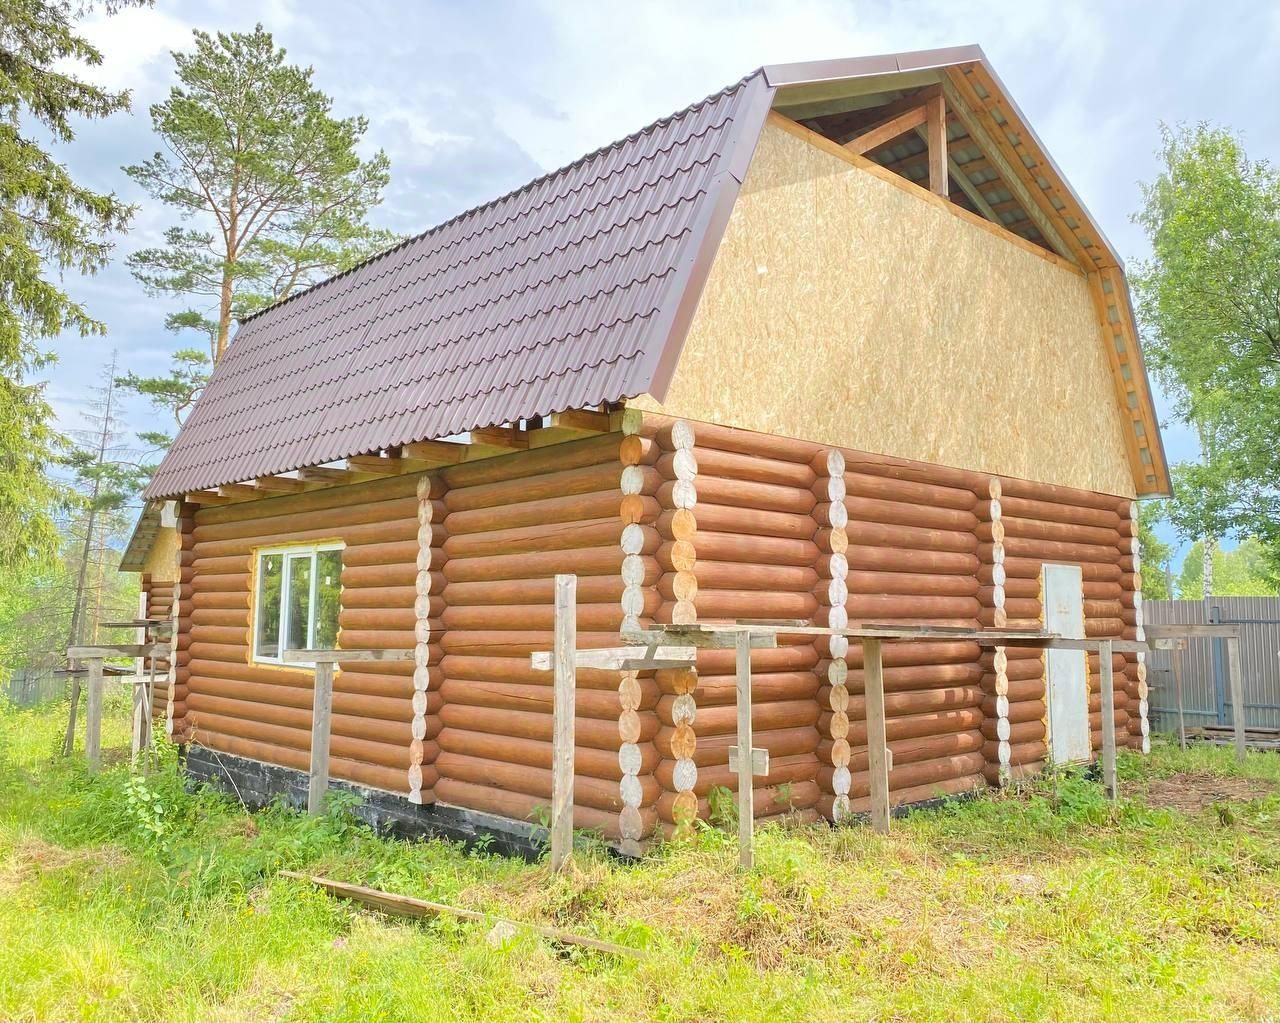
(893, 126)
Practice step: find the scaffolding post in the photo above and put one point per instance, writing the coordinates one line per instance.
(564, 699)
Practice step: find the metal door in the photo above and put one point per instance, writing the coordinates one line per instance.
(1066, 671)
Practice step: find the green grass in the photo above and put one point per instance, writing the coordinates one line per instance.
(124, 900)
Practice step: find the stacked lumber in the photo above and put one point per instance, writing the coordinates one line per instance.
(181, 610)
(510, 525)
(263, 711)
(158, 594)
(750, 519)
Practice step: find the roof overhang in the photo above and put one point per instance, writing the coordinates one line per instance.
(141, 540)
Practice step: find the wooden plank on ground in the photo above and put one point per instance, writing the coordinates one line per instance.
(404, 905)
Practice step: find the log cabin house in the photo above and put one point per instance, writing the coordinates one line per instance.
(837, 343)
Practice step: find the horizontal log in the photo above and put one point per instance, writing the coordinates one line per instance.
(769, 801)
(729, 575)
(373, 532)
(386, 597)
(764, 717)
(745, 494)
(787, 656)
(1058, 551)
(521, 806)
(535, 462)
(1091, 571)
(909, 492)
(535, 781)
(217, 709)
(363, 750)
(880, 607)
(530, 725)
(914, 677)
(917, 472)
(883, 534)
(601, 704)
(1068, 532)
(766, 687)
(583, 480)
(714, 604)
(335, 520)
(514, 643)
(536, 539)
(747, 442)
(719, 518)
(1055, 494)
(753, 468)
(782, 771)
(390, 779)
(591, 589)
(714, 749)
(516, 670)
(920, 701)
(863, 509)
(900, 559)
(353, 704)
(605, 560)
(1049, 511)
(741, 548)
(912, 751)
(914, 725)
(562, 509)
(587, 761)
(379, 576)
(912, 583)
(398, 552)
(592, 617)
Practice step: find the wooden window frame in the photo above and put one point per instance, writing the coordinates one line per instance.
(287, 552)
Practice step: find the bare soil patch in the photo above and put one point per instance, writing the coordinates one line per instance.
(1194, 792)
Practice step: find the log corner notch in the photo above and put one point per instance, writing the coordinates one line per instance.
(924, 112)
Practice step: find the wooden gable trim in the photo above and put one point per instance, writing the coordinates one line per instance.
(977, 98)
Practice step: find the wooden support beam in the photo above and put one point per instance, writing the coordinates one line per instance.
(325, 474)
(675, 636)
(936, 130)
(280, 484)
(1194, 631)
(435, 452)
(1176, 661)
(563, 712)
(205, 497)
(333, 656)
(497, 440)
(321, 715)
(1106, 690)
(877, 743)
(885, 133)
(625, 658)
(238, 491)
(378, 465)
(746, 779)
(93, 716)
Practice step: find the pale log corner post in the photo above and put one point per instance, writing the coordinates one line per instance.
(564, 698)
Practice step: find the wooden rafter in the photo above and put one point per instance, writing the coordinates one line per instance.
(887, 131)
(280, 484)
(936, 130)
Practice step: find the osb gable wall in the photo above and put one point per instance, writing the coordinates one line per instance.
(845, 310)
(161, 561)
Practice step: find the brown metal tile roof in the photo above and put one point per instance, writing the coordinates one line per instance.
(575, 290)
(560, 295)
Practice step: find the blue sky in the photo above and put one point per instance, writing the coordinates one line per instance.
(472, 100)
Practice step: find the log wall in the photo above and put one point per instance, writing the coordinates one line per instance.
(670, 521)
(263, 711)
(158, 594)
(510, 525)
